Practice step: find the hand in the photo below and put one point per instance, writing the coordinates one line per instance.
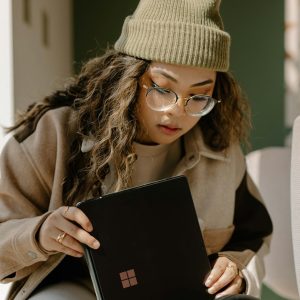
(59, 233)
(225, 274)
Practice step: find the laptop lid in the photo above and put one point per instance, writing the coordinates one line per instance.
(151, 244)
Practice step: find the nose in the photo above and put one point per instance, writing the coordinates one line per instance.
(179, 108)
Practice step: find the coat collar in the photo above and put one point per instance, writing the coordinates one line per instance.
(195, 147)
(193, 143)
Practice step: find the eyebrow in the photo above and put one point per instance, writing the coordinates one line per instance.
(205, 82)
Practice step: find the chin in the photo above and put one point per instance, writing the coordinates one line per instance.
(165, 141)
(157, 140)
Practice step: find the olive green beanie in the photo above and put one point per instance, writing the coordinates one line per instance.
(186, 32)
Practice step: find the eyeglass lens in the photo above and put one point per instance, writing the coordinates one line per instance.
(161, 99)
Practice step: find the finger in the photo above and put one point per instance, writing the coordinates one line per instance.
(78, 233)
(67, 250)
(70, 242)
(77, 215)
(60, 247)
(232, 289)
(217, 271)
(227, 277)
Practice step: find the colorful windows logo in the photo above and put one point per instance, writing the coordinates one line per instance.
(128, 278)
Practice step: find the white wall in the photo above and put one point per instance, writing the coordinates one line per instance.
(36, 52)
(39, 67)
(6, 63)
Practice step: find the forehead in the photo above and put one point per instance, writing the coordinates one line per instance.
(180, 72)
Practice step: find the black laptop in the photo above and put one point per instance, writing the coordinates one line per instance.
(151, 244)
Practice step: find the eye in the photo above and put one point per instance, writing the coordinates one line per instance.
(154, 85)
(159, 89)
(200, 98)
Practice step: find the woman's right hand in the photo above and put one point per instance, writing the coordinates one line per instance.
(65, 230)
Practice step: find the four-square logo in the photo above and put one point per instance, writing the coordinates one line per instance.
(128, 278)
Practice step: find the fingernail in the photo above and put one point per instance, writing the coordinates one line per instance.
(219, 296)
(211, 290)
(96, 244)
(79, 254)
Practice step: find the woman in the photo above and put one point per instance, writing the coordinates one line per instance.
(161, 103)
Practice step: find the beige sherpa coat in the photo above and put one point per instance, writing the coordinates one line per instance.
(234, 221)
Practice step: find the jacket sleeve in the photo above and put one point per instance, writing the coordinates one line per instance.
(32, 168)
(21, 213)
(250, 240)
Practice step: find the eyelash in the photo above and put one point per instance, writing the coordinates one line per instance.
(153, 84)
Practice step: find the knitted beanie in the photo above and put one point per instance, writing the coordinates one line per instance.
(185, 32)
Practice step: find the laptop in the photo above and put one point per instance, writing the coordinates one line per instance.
(151, 244)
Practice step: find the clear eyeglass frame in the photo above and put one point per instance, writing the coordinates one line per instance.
(172, 98)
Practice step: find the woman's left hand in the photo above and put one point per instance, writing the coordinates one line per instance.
(225, 276)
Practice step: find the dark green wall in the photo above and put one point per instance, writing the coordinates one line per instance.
(97, 24)
(257, 52)
(257, 57)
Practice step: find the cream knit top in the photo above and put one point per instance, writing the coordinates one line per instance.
(153, 162)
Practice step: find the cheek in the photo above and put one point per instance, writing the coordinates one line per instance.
(191, 122)
(145, 112)
(145, 115)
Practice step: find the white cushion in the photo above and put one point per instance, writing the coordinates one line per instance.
(295, 196)
(270, 171)
(4, 290)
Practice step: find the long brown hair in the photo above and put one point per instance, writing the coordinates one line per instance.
(104, 98)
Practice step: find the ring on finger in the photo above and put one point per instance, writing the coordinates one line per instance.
(60, 237)
(233, 268)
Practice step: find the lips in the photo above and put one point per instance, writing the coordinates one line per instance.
(168, 129)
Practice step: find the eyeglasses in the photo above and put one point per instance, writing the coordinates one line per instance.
(161, 99)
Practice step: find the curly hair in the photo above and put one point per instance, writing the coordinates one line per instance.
(104, 98)
(230, 121)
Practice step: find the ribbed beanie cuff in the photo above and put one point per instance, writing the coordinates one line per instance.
(193, 37)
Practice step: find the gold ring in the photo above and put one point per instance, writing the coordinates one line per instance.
(233, 268)
(60, 237)
(66, 210)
